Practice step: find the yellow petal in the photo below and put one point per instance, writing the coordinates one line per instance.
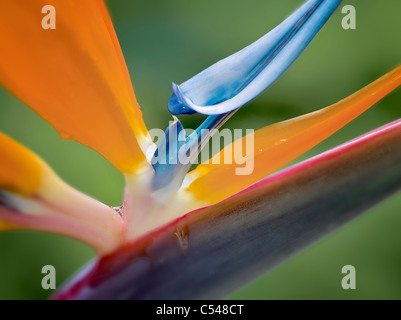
(7, 226)
(279, 144)
(33, 197)
(20, 170)
(74, 76)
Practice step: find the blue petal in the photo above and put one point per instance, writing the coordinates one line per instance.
(165, 159)
(234, 81)
(169, 171)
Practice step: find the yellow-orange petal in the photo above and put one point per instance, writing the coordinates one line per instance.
(74, 76)
(32, 196)
(278, 144)
(20, 170)
(7, 226)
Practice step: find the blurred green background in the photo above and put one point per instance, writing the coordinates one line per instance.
(171, 40)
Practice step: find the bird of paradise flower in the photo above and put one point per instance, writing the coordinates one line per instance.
(77, 80)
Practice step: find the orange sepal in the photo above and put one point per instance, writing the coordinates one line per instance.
(278, 144)
(74, 76)
(20, 170)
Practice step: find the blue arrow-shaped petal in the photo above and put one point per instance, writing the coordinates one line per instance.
(234, 81)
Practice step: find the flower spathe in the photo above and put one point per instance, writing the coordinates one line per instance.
(212, 250)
